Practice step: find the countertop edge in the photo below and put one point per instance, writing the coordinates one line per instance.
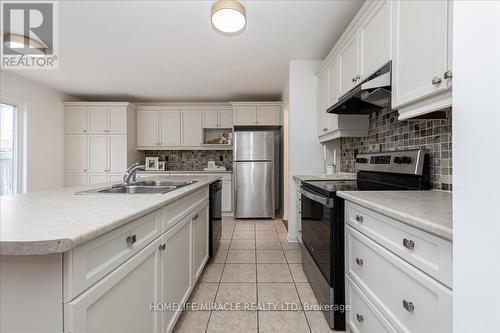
(435, 229)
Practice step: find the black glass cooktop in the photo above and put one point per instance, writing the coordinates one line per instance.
(329, 187)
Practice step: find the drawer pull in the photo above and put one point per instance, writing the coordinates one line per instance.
(360, 318)
(359, 261)
(359, 218)
(408, 306)
(408, 243)
(162, 247)
(131, 240)
(195, 217)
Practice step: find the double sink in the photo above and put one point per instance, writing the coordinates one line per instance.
(142, 187)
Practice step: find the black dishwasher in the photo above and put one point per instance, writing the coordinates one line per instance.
(215, 226)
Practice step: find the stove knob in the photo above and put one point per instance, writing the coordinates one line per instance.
(398, 160)
(406, 159)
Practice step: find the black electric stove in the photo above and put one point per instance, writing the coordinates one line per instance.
(322, 214)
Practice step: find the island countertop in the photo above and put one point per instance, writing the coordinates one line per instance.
(430, 211)
(56, 221)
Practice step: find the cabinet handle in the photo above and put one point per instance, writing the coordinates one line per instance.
(408, 243)
(195, 217)
(162, 247)
(360, 318)
(408, 306)
(84, 131)
(436, 80)
(325, 129)
(359, 261)
(359, 218)
(85, 170)
(358, 77)
(448, 75)
(131, 240)
(353, 79)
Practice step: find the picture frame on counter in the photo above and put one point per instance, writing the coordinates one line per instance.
(161, 166)
(151, 163)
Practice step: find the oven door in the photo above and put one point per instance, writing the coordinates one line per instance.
(317, 237)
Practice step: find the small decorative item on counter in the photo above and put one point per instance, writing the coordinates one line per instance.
(222, 139)
(161, 166)
(151, 163)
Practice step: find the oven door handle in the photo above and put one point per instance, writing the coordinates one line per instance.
(318, 198)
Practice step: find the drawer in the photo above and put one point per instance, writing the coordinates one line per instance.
(177, 210)
(89, 262)
(410, 299)
(363, 316)
(431, 254)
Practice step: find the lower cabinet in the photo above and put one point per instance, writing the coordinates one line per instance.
(200, 240)
(227, 195)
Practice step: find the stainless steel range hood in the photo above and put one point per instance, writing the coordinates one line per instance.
(373, 94)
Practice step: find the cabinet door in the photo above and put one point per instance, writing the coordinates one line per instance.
(98, 153)
(226, 119)
(348, 62)
(176, 269)
(245, 115)
(227, 196)
(76, 119)
(200, 240)
(76, 153)
(170, 128)
(322, 103)
(147, 129)
(98, 178)
(419, 50)
(98, 119)
(77, 179)
(269, 115)
(117, 153)
(117, 119)
(120, 301)
(117, 177)
(191, 128)
(331, 120)
(210, 119)
(375, 39)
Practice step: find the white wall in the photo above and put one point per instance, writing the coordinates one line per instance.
(286, 146)
(476, 166)
(305, 151)
(44, 128)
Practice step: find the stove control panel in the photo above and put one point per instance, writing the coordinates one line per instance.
(406, 162)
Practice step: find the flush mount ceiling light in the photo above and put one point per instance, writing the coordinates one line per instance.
(228, 17)
(19, 42)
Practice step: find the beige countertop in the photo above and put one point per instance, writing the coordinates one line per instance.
(430, 211)
(56, 221)
(319, 176)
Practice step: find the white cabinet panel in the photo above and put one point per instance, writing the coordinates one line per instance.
(147, 129)
(245, 115)
(420, 50)
(98, 178)
(348, 62)
(76, 153)
(119, 302)
(226, 118)
(227, 196)
(176, 269)
(117, 177)
(333, 84)
(76, 119)
(98, 153)
(322, 103)
(210, 119)
(375, 39)
(117, 153)
(170, 126)
(191, 128)
(117, 119)
(77, 179)
(200, 239)
(98, 122)
(269, 115)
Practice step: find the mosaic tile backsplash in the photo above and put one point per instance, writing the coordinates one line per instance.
(387, 133)
(192, 160)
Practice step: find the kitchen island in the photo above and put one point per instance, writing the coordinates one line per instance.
(101, 262)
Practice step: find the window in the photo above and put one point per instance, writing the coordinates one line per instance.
(8, 149)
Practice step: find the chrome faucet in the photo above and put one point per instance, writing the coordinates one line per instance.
(130, 172)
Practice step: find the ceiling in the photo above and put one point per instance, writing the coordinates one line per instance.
(168, 51)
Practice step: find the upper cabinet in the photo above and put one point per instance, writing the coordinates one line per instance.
(349, 64)
(191, 128)
(218, 118)
(257, 113)
(96, 118)
(421, 68)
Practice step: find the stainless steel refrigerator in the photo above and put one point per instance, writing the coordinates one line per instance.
(254, 174)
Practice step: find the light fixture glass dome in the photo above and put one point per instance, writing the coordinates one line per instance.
(228, 17)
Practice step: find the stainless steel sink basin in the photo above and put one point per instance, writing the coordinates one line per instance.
(178, 183)
(142, 187)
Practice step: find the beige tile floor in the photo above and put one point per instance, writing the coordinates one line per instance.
(255, 265)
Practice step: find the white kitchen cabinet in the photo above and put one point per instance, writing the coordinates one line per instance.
(191, 133)
(323, 103)
(97, 178)
(421, 56)
(76, 119)
(119, 302)
(375, 39)
(117, 119)
(332, 93)
(257, 114)
(116, 154)
(269, 115)
(76, 153)
(226, 118)
(148, 127)
(76, 179)
(170, 128)
(349, 64)
(115, 177)
(245, 115)
(210, 119)
(227, 196)
(104, 118)
(199, 225)
(98, 153)
(98, 118)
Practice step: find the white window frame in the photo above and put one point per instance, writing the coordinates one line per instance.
(20, 144)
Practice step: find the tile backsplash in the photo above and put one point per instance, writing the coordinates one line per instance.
(192, 160)
(387, 133)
